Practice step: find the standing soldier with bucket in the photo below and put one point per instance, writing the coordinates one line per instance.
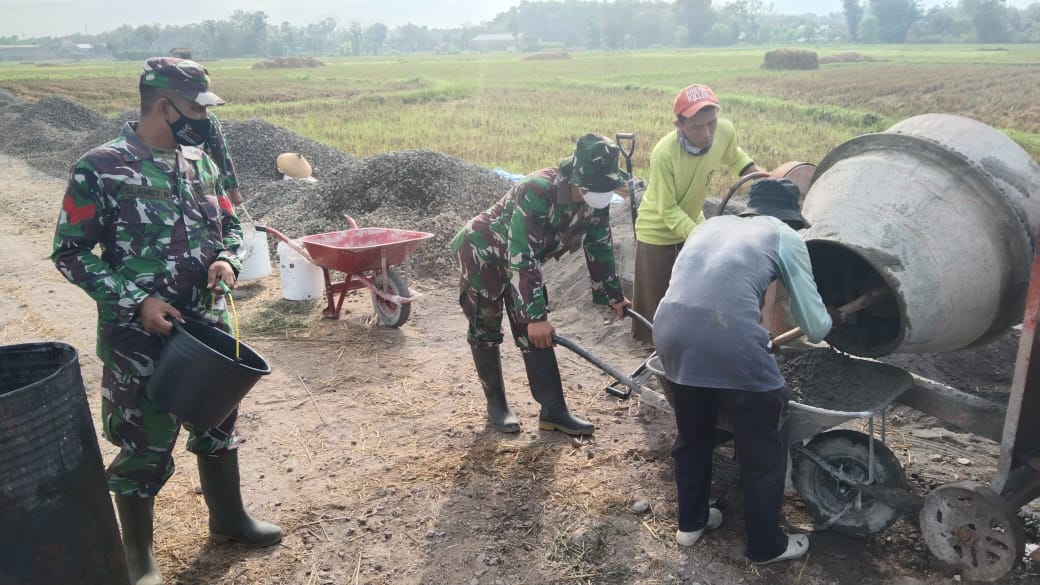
(152, 201)
(501, 251)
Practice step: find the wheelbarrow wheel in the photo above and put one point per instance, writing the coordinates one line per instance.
(836, 504)
(390, 314)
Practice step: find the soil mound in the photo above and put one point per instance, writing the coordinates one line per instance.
(847, 58)
(288, 63)
(987, 370)
(548, 54)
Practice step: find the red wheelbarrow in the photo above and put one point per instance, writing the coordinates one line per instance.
(364, 256)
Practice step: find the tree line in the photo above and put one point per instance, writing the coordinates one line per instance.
(619, 24)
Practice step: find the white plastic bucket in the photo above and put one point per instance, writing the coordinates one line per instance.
(257, 262)
(301, 280)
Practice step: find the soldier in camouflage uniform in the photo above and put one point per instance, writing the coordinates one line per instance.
(216, 147)
(147, 231)
(547, 214)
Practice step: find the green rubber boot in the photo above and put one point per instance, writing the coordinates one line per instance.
(489, 370)
(543, 373)
(228, 519)
(135, 519)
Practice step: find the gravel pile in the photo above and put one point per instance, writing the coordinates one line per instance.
(7, 98)
(256, 144)
(41, 133)
(415, 189)
(418, 190)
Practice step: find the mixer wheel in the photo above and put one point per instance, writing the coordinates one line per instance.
(970, 527)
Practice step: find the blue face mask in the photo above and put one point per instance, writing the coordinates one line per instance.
(688, 146)
(189, 131)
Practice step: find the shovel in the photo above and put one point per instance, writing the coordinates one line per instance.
(642, 373)
(858, 304)
(621, 138)
(649, 396)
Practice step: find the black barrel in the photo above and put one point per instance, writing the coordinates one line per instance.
(56, 519)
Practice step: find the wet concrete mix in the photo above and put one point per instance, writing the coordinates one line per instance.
(831, 380)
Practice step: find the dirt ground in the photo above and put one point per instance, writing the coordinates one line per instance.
(369, 447)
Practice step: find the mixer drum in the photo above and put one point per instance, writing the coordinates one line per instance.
(941, 210)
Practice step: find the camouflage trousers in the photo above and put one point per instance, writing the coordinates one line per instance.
(146, 437)
(485, 318)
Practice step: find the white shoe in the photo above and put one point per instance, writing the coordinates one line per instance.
(797, 546)
(691, 538)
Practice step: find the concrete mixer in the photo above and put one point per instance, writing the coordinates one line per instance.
(941, 213)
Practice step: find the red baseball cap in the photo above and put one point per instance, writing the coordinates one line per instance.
(691, 99)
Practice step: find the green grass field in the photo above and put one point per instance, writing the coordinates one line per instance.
(502, 110)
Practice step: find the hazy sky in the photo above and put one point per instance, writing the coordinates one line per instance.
(29, 18)
(33, 18)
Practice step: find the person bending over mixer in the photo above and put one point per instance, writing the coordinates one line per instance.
(717, 357)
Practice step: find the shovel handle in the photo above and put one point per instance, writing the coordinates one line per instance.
(610, 370)
(620, 138)
(858, 304)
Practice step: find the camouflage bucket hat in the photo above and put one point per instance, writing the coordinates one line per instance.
(594, 165)
(184, 76)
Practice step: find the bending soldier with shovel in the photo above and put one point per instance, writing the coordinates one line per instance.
(500, 251)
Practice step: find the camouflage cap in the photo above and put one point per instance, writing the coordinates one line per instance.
(184, 76)
(594, 165)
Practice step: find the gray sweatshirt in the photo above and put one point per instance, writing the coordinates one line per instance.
(707, 329)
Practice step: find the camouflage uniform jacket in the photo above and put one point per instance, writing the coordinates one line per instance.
(217, 149)
(158, 230)
(536, 221)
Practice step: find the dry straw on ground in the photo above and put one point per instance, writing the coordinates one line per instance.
(288, 63)
(548, 54)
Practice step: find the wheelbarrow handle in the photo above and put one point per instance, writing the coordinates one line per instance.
(299, 249)
(740, 182)
(638, 318)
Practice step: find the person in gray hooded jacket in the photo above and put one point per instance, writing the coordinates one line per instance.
(717, 356)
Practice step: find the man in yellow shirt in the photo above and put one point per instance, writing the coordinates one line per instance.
(681, 166)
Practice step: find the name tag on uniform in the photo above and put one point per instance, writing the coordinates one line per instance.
(144, 192)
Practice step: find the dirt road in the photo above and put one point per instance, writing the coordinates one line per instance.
(369, 447)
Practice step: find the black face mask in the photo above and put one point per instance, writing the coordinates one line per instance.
(188, 131)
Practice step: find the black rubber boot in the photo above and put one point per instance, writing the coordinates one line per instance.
(544, 375)
(135, 519)
(489, 370)
(228, 519)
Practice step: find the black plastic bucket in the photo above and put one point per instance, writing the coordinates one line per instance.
(197, 376)
(56, 519)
